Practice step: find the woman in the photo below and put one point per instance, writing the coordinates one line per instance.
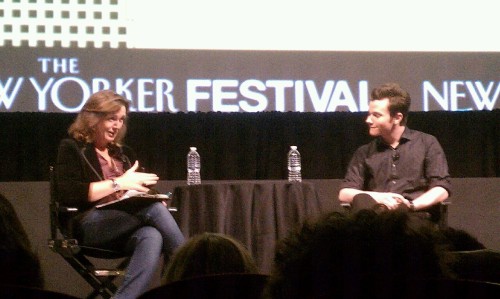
(93, 167)
(208, 254)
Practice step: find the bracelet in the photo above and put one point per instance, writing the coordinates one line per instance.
(412, 207)
(115, 185)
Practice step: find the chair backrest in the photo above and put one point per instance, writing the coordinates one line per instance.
(56, 227)
(235, 285)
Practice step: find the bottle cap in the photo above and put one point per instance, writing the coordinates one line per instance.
(294, 147)
(192, 148)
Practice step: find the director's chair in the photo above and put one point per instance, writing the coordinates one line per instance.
(101, 279)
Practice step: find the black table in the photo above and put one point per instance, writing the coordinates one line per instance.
(257, 213)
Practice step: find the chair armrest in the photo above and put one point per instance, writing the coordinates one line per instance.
(67, 209)
(443, 210)
(65, 247)
(446, 202)
(346, 206)
(168, 202)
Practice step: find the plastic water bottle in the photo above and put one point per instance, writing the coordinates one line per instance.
(193, 167)
(294, 165)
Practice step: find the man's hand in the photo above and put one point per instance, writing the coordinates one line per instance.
(390, 200)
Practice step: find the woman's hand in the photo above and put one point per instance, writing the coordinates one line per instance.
(134, 180)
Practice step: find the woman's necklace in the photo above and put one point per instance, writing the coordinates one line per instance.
(113, 164)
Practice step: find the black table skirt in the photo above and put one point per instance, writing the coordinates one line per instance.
(257, 213)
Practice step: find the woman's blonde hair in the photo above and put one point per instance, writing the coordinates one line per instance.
(98, 106)
(209, 253)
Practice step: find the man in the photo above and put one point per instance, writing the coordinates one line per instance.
(401, 168)
(367, 254)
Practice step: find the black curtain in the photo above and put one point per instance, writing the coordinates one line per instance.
(249, 145)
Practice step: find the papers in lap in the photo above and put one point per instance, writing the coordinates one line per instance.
(132, 197)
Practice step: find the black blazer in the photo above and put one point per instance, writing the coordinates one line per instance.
(77, 166)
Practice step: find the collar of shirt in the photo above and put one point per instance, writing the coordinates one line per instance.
(406, 136)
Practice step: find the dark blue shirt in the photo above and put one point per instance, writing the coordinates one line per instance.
(416, 165)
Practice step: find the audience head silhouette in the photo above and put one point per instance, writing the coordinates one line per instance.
(19, 266)
(360, 255)
(209, 253)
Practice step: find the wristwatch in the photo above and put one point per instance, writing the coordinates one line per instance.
(115, 185)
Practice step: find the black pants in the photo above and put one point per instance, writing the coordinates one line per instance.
(364, 201)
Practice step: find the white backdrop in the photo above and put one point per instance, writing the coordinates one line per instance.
(325, 25)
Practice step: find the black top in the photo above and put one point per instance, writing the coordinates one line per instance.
(77, 166)
(416, 165)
